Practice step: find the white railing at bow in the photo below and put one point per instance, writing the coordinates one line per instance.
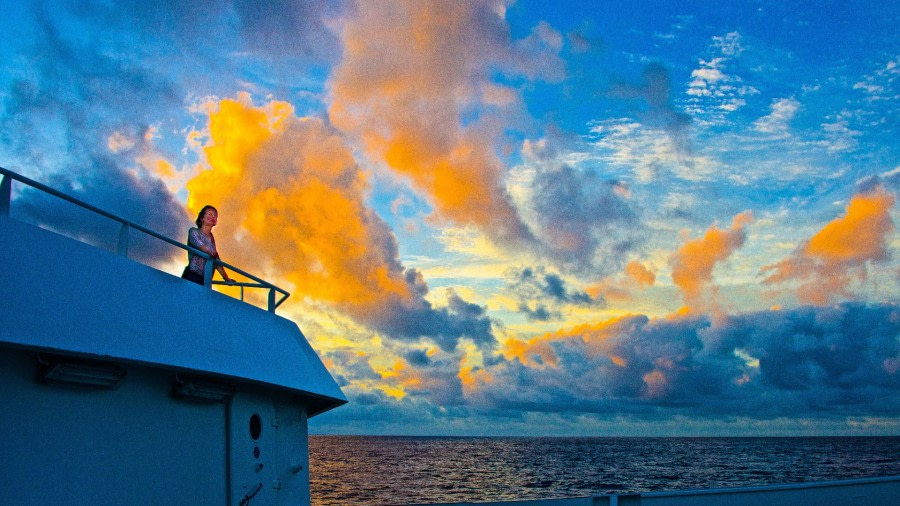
(127, 226)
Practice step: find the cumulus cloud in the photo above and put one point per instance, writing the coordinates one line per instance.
(639, 273)
(436, 380)
(350, 367)
(291, 200)
(782, 111)
(414, 85)
(824, 267)
(713, 91)
(881, 84)
(693, 263)
(628, 145)
(889, 180)
(824, 361)
(540, 293)
(139, 199)
(839, 135)
(703, 79)
(585, 223)
(84, 115)
(655, 91)
(729, 44)
(830, 362)
(636, 276)
(59, 122)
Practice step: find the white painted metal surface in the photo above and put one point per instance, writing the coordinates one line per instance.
(882, 491)
(58, 293)
(132, 445)
(121, 384)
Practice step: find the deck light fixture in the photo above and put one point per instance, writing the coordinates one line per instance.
(201, 389)
(82, 373)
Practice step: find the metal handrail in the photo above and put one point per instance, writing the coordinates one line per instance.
(211, 264)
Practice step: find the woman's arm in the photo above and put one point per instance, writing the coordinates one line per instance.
(215, 254)
(223, 273)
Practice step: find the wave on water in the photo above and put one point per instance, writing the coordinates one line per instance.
(374, 470)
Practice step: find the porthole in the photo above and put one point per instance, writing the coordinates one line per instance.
(255, 426)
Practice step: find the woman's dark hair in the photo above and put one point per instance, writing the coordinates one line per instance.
(199, 220)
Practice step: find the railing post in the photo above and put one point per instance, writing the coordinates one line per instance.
(208, 273)
(272, 300)
(123, 240)
(5, 194)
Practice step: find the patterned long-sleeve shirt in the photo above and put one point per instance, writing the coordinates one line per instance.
(202, 242)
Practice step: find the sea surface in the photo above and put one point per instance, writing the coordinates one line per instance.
(370, 470)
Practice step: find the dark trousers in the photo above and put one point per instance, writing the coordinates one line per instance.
(190, 275)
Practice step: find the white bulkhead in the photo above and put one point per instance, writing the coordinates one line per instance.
(122, 384)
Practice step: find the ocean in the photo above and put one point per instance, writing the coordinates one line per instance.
(374, 470)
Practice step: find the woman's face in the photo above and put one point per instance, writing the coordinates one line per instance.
(210, 218)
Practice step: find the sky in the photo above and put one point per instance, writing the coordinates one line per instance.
(592, 218)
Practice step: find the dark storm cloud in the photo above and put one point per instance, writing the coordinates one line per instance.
(834, 361)
(143, 201)
(418, 358)
(535, 284)
(352, 367)
(889, 181)
(655, 92)
(445, 326)
(539, 313)
(438, 381)
(57, 118)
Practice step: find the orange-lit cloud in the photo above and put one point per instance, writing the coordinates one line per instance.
(640, 274)
(620, 288)
(411, 72)
(539, 350)
(655, 384)
(290, 191)
(291, 203)
(754, 364)
(474, 378)
(693, 263)
(836, 255)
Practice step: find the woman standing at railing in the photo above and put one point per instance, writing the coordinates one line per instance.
(201, 237)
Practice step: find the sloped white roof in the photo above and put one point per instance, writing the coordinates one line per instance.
(61, 295)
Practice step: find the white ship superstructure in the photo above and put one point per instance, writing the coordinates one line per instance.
(123, 384)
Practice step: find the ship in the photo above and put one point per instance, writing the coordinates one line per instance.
(124, 384)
